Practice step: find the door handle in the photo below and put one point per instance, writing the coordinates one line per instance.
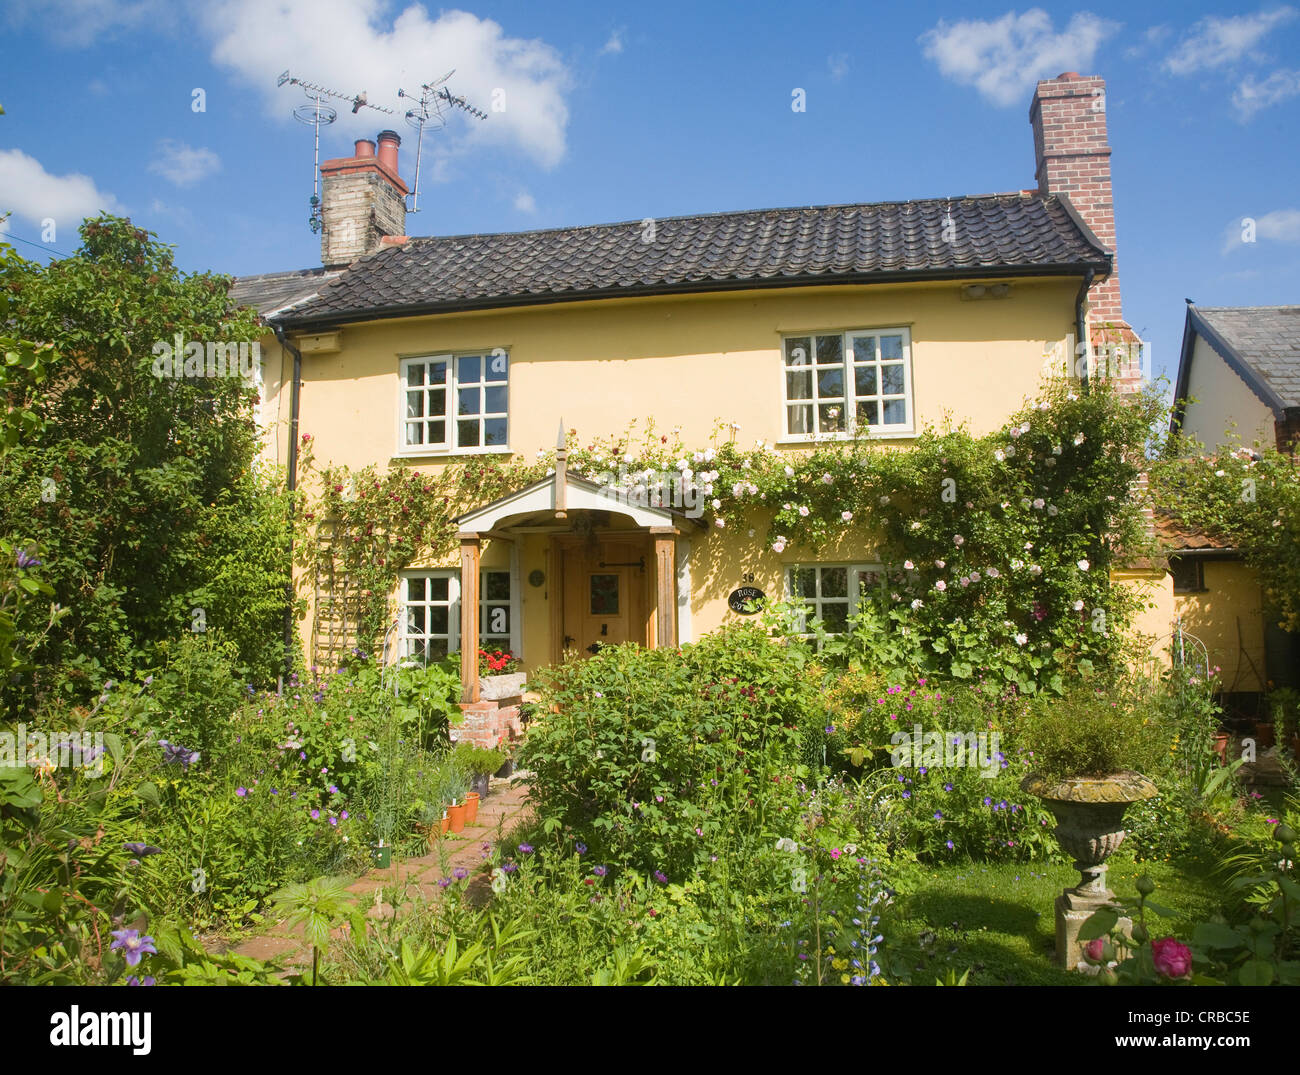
(604, 629)
(568, 641)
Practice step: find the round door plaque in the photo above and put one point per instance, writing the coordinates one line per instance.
(746, 595)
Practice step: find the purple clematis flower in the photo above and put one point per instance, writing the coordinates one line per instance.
(133, 946)
(142, 850)
(525, 849)
(25, 561)
(599, 871)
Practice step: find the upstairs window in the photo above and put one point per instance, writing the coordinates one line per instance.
(455, 403)
(838, 384)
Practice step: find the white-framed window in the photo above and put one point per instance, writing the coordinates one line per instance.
(496, 611)
(839, 383)
(430, 613)
(830, 592)
(455, 403)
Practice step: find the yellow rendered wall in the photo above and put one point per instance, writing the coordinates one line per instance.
(1233, 600)
(1224, 404)
(686, 362)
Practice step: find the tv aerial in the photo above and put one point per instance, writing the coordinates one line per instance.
(319, 113)
(433, 104)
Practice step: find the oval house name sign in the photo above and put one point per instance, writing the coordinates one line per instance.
(745, 596)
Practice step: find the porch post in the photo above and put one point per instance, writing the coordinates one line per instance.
(469, 553)
(665, 585)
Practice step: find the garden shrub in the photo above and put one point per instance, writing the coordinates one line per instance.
(647, 754)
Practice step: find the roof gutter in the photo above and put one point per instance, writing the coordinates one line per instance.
(333, 320)
(294, 402)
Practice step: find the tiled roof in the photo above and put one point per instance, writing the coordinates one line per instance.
(997, 234)
(1176, 536)
(271, 292)
(1267, 339)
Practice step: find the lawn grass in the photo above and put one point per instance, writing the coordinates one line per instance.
(998, 920)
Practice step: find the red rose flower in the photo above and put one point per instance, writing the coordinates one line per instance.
(1172, 959)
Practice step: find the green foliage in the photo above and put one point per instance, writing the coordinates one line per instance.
(1092, 731)
(650, 753)
(477, 760)
(142, 492)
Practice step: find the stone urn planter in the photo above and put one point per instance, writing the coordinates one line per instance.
(497, 688)
(1089, 812)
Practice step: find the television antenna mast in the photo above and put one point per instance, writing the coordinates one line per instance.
(317, 114)
(434, 102)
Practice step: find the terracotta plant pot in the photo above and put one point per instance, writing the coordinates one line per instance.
(445, 824)
(456, 814)
(1221, 740)
(471, 807)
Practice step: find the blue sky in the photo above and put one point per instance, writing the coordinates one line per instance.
(631, 111)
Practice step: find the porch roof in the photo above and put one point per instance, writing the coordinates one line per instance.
(538, 503)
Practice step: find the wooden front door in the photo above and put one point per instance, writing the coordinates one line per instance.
(604, 593)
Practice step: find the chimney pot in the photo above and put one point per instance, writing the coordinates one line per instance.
(388, 143)
(365, 148)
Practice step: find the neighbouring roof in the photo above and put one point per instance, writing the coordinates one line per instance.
(271, 293)
(1261, 344)
(1027, 233)
(1177, 537)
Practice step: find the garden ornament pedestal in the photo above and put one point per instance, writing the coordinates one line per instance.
(1089, 814)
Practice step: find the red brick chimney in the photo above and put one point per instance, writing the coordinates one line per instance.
(363, 201)
(1072, 157)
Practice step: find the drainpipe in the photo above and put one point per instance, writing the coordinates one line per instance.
(1081, 325)
(285, 345)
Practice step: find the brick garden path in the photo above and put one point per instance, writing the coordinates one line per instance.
(502, 811)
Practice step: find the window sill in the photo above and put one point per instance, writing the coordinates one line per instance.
(452, 453)
(839, 438)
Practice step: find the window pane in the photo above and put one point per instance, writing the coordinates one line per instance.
(891, 347)
(835, 617)
(830, 383)
(798, 385)
(415, 620)
(831, 416)
(439, 588)
(800, 419)
(415, 648)
(498, 367)
(438, 401)
(436, 648)
(604, 595)
(439, 619)
(468, 369)
(864, 380)
(414, 404)
(467, 433)
(414, 433)
(864, 348)
(895, 412)
(415, 589)
(868, 414)
(495, 429)
(496, 620)
(415, 374)
(798, 350)
(467, 401)
(496, 585)
(892, 380)
(803, 581)
(437, 432)
(835, 582)
(494, 400)
(830, 350)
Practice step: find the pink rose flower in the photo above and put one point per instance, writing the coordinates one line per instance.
(1092, 951)
(1172, 959)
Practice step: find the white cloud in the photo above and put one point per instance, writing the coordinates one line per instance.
(1217, 41)
(614, 44)
(1004, 58)
(839, 65)
(182, 164)
(355, 46)
(1281, 225)
(525, 202)
(33, 194)
(1253, 95)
